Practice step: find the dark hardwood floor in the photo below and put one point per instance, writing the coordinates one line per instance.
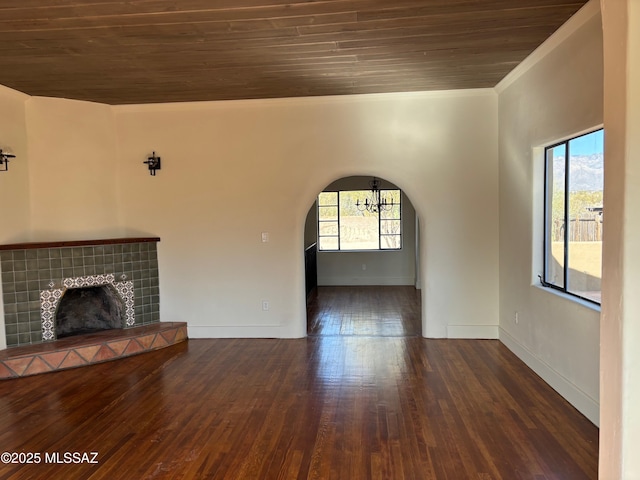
(389, 311)
(325, 407)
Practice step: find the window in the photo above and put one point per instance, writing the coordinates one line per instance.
(574, 181)
(344, 225)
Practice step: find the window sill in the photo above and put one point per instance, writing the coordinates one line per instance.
(590, 305)
(362, 251)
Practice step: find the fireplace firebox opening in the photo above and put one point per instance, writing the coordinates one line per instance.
(88, 310)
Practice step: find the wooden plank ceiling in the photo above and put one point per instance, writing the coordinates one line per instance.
(147, 51)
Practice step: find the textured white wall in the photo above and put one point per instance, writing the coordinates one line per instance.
(14, 184)
(620, 329)
(557, 95)
(72, 170)
(232, 170)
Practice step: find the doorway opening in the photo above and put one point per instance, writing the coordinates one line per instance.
(369, 291)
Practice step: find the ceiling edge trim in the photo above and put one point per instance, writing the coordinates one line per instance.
(322, 99)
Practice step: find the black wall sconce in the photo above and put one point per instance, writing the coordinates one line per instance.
(154, 163)
(4, 160)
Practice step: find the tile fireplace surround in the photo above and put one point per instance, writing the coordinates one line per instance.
(34, 276)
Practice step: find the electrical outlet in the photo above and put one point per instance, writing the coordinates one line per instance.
(265, 305)
(364, 266)
(265, 237)
(515, 318)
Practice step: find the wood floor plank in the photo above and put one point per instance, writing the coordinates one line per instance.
(357, 406)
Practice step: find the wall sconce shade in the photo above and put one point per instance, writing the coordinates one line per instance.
(154, 163)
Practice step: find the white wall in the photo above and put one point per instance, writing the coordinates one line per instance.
(232, 170)
(14, 184)
(556, 93)
(72, 170)
(394, 267)
(620, 329)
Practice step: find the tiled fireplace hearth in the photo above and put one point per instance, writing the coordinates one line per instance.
(35, 279)
(82, 350)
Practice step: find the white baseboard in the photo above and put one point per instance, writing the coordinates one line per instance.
(244, 331)
(484, 332)
(368, 281)
(586, 405)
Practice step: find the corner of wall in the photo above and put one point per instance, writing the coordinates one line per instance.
(586, 405)
(541, 101)
(582, 16)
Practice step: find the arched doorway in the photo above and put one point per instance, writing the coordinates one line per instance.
(367, 278)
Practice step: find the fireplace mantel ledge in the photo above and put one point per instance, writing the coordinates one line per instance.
(78, 243)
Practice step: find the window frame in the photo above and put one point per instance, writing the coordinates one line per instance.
(548, 199)
(400, 234)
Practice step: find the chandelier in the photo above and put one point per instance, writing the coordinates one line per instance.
(374, 203)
